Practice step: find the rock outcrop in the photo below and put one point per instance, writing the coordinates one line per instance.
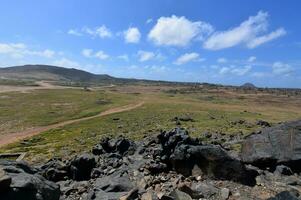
(276, 145)
(169, 166)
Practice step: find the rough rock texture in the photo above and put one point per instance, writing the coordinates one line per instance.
(25, 184)
(275, 145)
(169, 166)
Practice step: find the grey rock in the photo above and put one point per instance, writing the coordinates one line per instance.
(280, 144)
(285, 195)
(179, 195)
(225, 192)
(82, 166)
(283, 170)
(5, 181)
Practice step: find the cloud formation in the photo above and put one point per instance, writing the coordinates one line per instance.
(280, 68)
(89, 53)
(238, 71)
(100, 31)
(20, 50)
(132, 35)
(178, 31)
(187, 57)
(248, 33)
(145, 55)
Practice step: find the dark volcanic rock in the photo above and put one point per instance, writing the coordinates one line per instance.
(82, 166)
(119, 145)
(278, 144)
(184, 154)
(25, 185)
(285, 195)
(263, 123)
(5, 181)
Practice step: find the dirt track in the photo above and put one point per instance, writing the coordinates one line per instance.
(13, 137)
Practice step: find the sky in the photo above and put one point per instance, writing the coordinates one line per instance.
(215, 41)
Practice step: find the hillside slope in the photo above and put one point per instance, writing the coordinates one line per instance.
(47, 72)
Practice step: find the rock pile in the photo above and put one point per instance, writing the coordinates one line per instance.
(170, 166)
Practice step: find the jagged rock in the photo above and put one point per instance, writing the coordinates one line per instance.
(203, 190)
(119, 145)
(5, 181)
(283, 170)
(285, 195)
(17, 167)
(132, 195)
(225, 192)
(82, 166)
(280, 144)
(27, 185)
(211, 160)
(263, 123)
(179, 195)
(55, 170)
(114, 184)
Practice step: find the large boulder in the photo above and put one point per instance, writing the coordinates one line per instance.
(5, 181)
(189, 156)
(25, 184)
(81, 167)
(119, 145)
(280, 144)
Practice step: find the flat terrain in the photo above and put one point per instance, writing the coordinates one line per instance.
(203, 110)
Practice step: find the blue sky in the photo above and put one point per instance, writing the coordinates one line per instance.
(216, 41)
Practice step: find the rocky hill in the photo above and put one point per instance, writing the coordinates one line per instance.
(169, 166)
(67, 75)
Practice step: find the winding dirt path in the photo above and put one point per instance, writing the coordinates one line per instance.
(13, 137)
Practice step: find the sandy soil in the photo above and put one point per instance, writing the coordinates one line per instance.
(42, 85)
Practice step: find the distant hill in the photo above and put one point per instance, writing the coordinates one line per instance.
(248, 85)
(52, 73)
(66, 75)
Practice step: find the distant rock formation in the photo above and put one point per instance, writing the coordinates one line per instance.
(248, 86)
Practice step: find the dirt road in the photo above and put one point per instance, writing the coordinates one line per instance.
(13, 137)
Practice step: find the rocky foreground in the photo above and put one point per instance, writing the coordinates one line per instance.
(170, 166)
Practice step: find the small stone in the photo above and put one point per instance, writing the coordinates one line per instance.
(225, 192)
(132, 195)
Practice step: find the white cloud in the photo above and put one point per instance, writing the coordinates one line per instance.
(251, 59)
(89, 53)
(224, 70)
(239, 71)
(178, 31)
(222, 60)
(247, 33)
(74, 32)
(132, 35)
(20, 50)
(124, 57)
(145, 55)
(266, 38)
(101, 32)
(101, 55)
(188, 57)
(64, 62)
(280, 68)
